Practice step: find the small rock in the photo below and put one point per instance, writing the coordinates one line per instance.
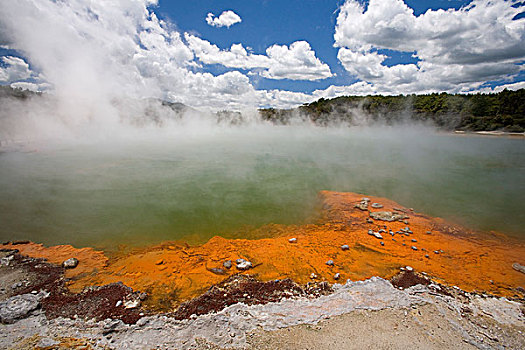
(243, 265)
(131, 304)
(345, 247)
(414, 248)
(70, 263)
(376, 206)
(429, 232)
(371, 232)
(382, 243)
(330, 263)
(518, 267)
(118, 303)
(405, 222)
(217, 271)
(427, 256)
(414, 240)
(159, 262)
(378, 235)
(409, 268)
(227, 264)
(370, 221)
(292, 240)
(337, 276)
(313, 276)
(436, 252)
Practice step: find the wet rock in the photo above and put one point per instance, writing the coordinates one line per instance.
(330, 263)
(363, 205)
(386, 216)
(243, 264)
(227, 264)
(377, 235)
(217, 270)
(518, 267)
(18, 307)
(292, 240)
(337, 276)
(414, 248)
(376, 206)
(345, 247)
(70, 263)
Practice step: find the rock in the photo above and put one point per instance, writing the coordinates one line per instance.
(386, 216)
(313, 276)
(376, 206)
(70, 263)
(429, 232)
(227, 264)
(18, 307)
(414, 240)
(345, 247)
(436, 252)
(217, 270)
(382, 230)
(363, 205)
(337, 276)
(371, 232)
(118, 303)
(427, 256)
(131, 304)
(292, 240)
(377, 235)
(330, 263)
(243, 264)
(414, 248)
(409, 268)
(382, 243)
(405, 222)
(369, 221)
(518, 267)
(159, 262)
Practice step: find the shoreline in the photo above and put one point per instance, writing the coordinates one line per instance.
(362, 242)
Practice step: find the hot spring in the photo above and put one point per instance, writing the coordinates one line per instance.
(192, 184)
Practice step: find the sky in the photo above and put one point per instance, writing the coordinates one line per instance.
(268, 53)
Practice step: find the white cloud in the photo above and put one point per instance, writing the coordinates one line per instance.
(13, 69)
(457, 49)
(296, 62)
(226, 19)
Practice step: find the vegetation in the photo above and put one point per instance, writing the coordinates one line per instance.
(470, 112)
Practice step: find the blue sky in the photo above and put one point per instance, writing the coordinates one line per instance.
(284, 53)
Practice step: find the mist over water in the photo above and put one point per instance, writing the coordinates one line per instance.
(200, 179)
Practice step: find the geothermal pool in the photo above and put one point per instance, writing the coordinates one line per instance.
(193, 184)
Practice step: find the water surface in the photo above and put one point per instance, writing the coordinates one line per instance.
(224, 181)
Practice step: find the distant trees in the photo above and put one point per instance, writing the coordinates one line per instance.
(495, 111)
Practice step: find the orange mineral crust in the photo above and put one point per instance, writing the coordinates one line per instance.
(172, 272)
(89, 259)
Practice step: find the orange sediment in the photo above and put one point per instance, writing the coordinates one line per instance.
(174, 272)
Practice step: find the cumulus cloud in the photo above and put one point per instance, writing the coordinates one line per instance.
(225, 19)
(458, 50)
(13, 69)
(295, 62)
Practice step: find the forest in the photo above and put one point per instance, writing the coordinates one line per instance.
(503, 111)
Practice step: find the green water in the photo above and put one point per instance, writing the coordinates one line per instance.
(192, 186)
